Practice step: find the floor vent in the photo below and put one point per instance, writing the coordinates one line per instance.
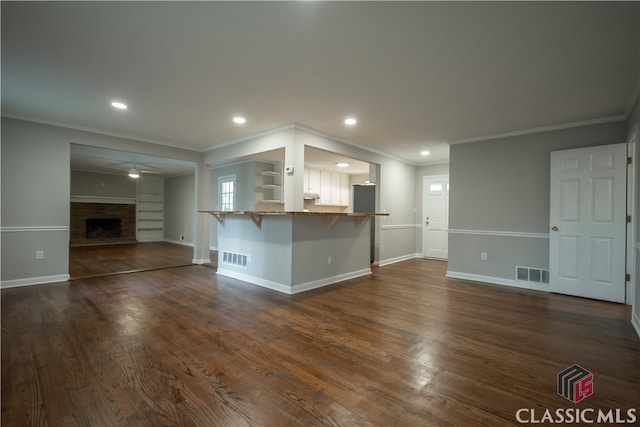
(237, 260)
(535, 275)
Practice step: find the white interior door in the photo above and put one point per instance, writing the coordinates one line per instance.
(435, 209)
(587, 219)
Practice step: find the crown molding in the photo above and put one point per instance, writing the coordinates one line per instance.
(541, 129)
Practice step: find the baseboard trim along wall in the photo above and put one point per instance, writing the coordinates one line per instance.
(400, 226)
(200, 261)
(290, 290)
(17, 283)
(384, 262)
(179, 242)
(302, 287)
(498, 281)
(280, 287)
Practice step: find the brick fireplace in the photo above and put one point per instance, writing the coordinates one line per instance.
(102, 223)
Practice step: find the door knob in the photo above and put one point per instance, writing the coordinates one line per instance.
(554, 228)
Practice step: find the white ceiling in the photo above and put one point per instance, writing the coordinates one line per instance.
(417, 75)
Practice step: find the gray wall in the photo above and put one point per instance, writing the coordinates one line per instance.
(35, 203)
(499, 200)
(245, 192)
(179, 209)
(36, 193)
(102, 185)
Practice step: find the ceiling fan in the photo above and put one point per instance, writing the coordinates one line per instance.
(134, 170)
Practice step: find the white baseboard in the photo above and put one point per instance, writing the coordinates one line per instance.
(201, 261)
(295, 289)
(6, 284)
(384, 262)
(635, 321)
(178, 242)
(307, 286)
(280, 287)
(498, 281)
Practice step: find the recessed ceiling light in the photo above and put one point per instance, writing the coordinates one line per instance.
(119, 105)
(350, 121)
(424, 153)
(239, 120)
(342, 164)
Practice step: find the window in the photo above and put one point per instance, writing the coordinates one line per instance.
(227, 192)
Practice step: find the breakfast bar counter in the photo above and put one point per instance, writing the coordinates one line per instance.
(292, 252)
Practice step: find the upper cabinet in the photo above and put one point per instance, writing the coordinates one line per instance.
(311, 181)
(332, 187)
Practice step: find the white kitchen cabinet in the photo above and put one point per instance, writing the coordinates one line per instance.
(325, 188)
(311, 180)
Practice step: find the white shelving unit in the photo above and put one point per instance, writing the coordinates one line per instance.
(270, 183)
(150, 210)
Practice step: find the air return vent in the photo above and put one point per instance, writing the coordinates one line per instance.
(534, 275)
(237, 260)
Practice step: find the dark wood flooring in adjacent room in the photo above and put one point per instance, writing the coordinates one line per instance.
(402, 347)
(101, 260)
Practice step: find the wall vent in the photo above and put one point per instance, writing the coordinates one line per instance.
(534, 275)
(237, 260)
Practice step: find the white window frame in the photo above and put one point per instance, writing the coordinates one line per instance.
(221, 182)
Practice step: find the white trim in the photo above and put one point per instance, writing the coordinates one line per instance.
(6, 284)
(541, 129)
(635, 321)
(37, 228)
(314, 284)
(178, 242)
(498, 281)
(352, 144)
(499, 233)
(201, 261)
(101, 132)
(280, 287)
(295, 289)
(400, 226)
(101, 199)
(384, 262)
(251, 137)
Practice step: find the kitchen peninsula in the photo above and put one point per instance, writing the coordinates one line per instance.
(293, 252)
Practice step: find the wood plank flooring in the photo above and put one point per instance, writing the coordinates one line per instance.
(101, 260)
(403, 347)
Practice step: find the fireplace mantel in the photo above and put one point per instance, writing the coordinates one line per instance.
(102, 199)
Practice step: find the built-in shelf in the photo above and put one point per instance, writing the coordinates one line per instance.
(270, 173)
(270, 186)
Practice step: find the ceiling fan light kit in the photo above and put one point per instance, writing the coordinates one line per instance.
(133, 173)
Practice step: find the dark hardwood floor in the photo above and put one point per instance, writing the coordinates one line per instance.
(101, 260)
(403, 347)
